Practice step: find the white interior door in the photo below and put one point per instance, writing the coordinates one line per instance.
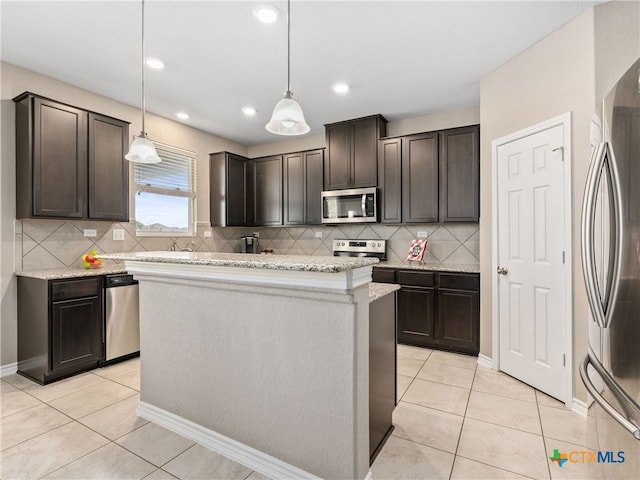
(531, 254)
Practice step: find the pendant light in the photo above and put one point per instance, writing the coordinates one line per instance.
(142, 150)
(287, 117)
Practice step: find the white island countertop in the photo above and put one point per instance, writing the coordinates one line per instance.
(304, 263)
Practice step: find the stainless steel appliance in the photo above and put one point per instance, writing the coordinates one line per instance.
(249, 244)
(360, 248)
(122, 320)
(611, 264)
(357, 205)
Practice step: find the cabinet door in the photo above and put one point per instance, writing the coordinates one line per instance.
(267, 191)
(390, 180)
(337, 167)
(460, 175)
(108, 170)
(458, 320)
(235, 190)
(420, 178)
(76, 333)
(364, 152)
(416, 309)
(313, 162)
(59, 160)
(294, 189)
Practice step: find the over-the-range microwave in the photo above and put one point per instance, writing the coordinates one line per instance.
(358, 205)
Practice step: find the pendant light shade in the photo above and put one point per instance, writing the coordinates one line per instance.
(287, 117)
(142, 150)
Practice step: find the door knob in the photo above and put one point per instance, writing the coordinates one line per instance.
(502, 271)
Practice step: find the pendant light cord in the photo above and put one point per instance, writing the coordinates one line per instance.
(143, 133)
(288, 45)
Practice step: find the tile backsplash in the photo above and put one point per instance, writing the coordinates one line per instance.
(60, 243)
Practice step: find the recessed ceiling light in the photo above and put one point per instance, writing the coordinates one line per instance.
(249, 111)
(340, 88)
(266, 13)
(182, 115)
(155, 63)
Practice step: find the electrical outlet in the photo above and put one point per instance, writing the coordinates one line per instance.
(90, 232)
(207, 233)
(423, 234)
(256, 234)
(118, 234)
(318, 234)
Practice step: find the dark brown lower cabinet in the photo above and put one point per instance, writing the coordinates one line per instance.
(439, 310)
(59, 326)
(416, 307)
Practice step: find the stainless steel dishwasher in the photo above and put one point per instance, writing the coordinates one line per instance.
(122, 320)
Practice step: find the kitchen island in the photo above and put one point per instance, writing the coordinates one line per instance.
(261, 358)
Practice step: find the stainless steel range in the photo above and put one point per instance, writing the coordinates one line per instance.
(360, 248)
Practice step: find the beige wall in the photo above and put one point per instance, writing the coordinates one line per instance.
(407, 126)
(555, 76)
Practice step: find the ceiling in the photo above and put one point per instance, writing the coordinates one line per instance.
(401, 58)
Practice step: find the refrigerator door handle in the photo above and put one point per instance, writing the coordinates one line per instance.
(603, 162)
(628, 404)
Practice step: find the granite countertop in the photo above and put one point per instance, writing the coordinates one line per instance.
(301, 263)
(71, 272)
(379, 290)
(407, 265)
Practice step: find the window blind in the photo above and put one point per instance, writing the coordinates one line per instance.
(174, 175)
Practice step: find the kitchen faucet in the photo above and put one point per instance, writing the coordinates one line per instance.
(175, 247)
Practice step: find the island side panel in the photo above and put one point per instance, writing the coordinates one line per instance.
(281, 370)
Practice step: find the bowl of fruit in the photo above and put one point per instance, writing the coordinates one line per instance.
(89, 260)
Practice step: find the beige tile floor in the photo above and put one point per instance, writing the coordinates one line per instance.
(454, 420)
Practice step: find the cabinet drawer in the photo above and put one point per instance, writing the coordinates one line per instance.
(460, 281)
(69, 289)
(384, 275)
(417, 279)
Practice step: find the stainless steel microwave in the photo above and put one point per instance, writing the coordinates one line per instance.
(358, 205)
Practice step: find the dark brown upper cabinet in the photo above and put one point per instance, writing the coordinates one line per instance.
(460, 174)
(390, 179)
(267, 190)
(430, 177)
(302, 187)
(108, 174)
(420, 178)
(229, 176)
(352, 152)
(69, 162)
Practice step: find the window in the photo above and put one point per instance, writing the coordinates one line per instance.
(165, 194)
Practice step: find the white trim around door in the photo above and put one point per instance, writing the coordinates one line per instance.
(565, 121)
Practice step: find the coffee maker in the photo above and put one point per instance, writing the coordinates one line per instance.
(249, 244)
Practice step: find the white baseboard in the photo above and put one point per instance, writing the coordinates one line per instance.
(579, 407)
(485, 361)
(239, 452)
(10, 369)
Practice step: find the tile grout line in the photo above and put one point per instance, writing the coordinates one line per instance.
(464, 417)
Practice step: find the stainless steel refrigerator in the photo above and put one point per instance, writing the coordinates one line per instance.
(611, 265)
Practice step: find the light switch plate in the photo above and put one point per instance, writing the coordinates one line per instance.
(118, 234)
(207, 233)
(90, 232)
(423, 234)
(318, 234)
